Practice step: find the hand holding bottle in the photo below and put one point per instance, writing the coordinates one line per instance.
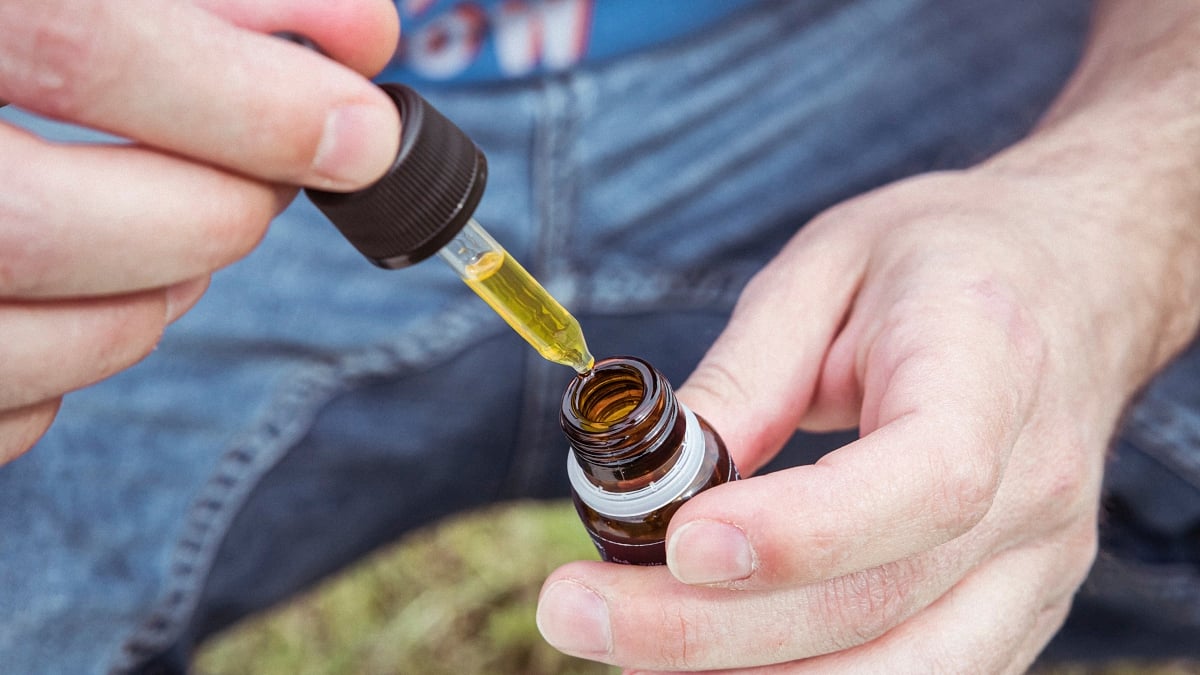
(103, 245)
(984, 330)
(986, 356)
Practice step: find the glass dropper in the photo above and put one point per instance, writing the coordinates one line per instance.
(424, 205)
(517, 297)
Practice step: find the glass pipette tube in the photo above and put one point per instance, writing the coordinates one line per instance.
(517, 297)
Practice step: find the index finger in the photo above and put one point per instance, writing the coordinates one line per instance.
(926, 475)
(362, 34)
(180, 78)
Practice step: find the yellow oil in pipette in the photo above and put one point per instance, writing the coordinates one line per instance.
(518, 298)
(521, 301)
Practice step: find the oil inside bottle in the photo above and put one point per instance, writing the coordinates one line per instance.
(606, 398)
(522, 302)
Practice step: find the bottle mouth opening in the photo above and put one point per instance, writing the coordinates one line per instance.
(617, 390)
(619, 413)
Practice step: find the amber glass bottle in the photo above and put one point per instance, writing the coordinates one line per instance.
(637, 454)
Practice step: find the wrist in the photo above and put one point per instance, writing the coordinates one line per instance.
(1128, 219)
(1120, 150)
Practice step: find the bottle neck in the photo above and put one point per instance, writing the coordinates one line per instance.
(677, 480)
(624, 423)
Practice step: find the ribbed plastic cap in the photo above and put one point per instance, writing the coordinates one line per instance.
(426, 197)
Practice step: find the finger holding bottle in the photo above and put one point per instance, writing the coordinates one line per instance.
(995, 621)
(824, 558)
(984, 428)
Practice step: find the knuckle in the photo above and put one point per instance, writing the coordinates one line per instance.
(236, 226)
(1067, 477)
(717, 381)
(1013, 323)
(825, 548)
(967, 487)
(13, 275)
(65, 58)
(863, 605)
(683, 645)
(27, 256)
(1061, 487)
(23, 273)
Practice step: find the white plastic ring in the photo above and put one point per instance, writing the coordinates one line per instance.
(658, 493)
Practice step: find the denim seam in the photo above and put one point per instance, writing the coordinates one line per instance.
(622, 291)
(558, 207)
(284, 423)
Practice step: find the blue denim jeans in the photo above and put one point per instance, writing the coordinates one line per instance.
(312, 407)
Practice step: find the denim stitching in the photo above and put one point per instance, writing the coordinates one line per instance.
(634, 291)
(286, 421)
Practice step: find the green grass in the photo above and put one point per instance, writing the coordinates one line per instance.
(458, 598)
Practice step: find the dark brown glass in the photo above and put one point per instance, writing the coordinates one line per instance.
(627, 430)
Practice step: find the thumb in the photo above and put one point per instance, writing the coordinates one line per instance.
(759, 377)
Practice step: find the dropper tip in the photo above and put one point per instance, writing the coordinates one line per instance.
(584, 365)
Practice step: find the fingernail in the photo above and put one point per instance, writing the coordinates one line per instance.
(708, 552)
(350, 155)
(574, 619)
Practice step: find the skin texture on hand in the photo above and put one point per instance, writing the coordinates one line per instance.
(223, 123)
(984, 329)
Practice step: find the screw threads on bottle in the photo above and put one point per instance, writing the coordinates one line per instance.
(637, 454)
(622, 419)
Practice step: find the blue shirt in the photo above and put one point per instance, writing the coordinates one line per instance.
(480, 40)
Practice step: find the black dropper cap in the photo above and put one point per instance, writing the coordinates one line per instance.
(423, 201)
